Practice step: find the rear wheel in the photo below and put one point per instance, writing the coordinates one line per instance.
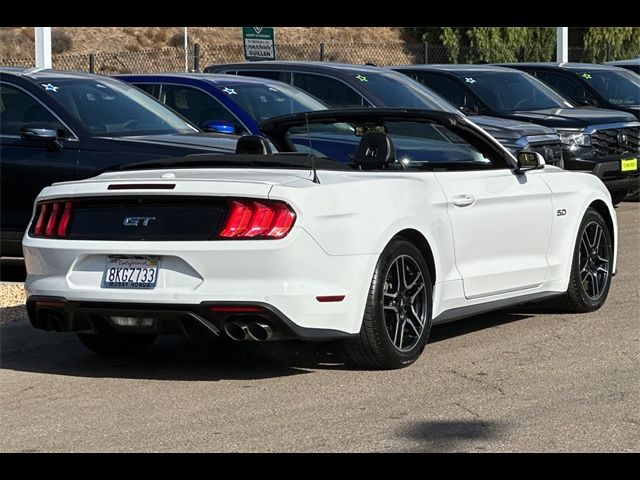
(619, 196)
(112, 342)
(397, 317)
(591, 268)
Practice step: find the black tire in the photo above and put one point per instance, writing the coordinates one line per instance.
(374, 347)
(618, 197)
(113, 342)
(579, 297)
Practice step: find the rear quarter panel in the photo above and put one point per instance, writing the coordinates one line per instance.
(359, 213)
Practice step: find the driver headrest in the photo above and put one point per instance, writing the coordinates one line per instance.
(253, 145)
(376, 150)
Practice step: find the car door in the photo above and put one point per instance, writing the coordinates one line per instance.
(501, 224)
(29, 165)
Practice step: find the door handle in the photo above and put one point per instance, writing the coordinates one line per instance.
(463, 200)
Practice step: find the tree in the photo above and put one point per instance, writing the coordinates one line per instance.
(611, 43)
(492, 44)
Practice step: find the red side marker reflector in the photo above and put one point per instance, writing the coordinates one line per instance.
(330, 298)
(235, 309)
(50, 303)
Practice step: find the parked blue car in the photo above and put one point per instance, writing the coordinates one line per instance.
(225, 103)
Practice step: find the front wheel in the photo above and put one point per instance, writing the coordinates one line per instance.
(397, 317)
(591, 268)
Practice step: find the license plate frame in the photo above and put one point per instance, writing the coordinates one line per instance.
(143, 275)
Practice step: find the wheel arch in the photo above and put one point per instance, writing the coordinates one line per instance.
(601, 207)
(419, 240)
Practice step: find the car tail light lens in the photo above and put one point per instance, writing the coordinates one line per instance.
(264, 219)
(52, 219)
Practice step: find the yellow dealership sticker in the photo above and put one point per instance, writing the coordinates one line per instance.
(629, 165)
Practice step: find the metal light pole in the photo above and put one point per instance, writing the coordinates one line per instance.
(43, 47)
(562, 44)
(186, 51)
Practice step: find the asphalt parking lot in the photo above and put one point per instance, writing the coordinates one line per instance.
(525, 379)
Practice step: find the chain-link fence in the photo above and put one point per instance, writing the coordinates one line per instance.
(199, 56)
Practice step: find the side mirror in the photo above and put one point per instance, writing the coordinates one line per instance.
(529, 161)
(467, 110)
(44, 135)
(218, 126)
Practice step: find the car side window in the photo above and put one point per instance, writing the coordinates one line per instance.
(197, 106)
(448, 89)
(567, 86)
(19, 109)
(331, 91)
(151, 88)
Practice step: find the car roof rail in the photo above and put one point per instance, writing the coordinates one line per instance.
(29, 71)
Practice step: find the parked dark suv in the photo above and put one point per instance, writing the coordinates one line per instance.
(633, 64)
(603, 86)
(603, 142)
(58, 126)
(344, 86)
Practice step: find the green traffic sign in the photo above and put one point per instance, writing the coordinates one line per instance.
(259, 43)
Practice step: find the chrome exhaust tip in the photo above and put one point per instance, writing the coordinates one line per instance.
(259, 332)
(236, 331)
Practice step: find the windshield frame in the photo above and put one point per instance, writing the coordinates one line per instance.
(277, 128)
(119, 86)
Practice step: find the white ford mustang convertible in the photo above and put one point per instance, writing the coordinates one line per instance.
(426, 219)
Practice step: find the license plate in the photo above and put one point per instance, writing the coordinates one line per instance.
(131, 272)
(629, 165)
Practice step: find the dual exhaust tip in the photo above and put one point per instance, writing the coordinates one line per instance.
(254, 331)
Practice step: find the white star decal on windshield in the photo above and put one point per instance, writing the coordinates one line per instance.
(49, 88)
(469, 80)
(230, 91)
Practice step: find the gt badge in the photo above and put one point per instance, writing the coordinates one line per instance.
(136, 221)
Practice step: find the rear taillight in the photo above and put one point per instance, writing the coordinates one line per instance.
(258, 219)
(52, 219)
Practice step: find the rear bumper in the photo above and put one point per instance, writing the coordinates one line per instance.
(285, 276)
(194, 321)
